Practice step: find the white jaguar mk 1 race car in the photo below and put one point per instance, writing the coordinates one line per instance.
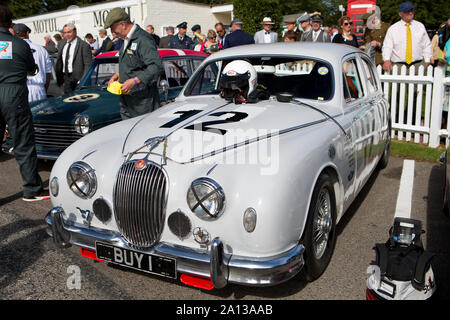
(241, 180)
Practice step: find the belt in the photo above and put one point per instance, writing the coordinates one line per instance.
(409, 64)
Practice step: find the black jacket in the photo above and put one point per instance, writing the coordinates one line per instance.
(340, 39)
(14, 67)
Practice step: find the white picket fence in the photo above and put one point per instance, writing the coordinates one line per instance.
(417, 103)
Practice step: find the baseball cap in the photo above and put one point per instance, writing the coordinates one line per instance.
(406, 6)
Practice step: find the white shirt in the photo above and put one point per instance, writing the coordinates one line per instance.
(94, 45)
(127, 38)
(36, 84)
(333, 35)
(394, 45)
(42, 59)
(71, 54)
(267, 38)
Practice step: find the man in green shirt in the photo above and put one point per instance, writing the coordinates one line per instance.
(16, 62)
(139, 66)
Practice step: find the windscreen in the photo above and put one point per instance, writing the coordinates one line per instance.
(302, 77)
(99, 74)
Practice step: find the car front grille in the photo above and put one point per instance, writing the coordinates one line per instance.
(55, 135)
(139, 203)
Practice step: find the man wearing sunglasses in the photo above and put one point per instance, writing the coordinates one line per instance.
(407, 42)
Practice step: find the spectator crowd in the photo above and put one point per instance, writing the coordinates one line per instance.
(405, 42)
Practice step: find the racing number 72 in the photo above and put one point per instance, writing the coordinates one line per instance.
(206, 126)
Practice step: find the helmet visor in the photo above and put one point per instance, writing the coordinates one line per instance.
(233, 80)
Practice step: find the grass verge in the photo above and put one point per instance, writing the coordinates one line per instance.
(416, 151)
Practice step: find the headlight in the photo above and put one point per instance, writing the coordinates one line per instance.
(206, 198)
(82, 180)
(54, 186)
(82, 124)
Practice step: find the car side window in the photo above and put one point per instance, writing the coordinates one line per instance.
(353, 89)
(177, 71)
(207, 81)
(370, 76)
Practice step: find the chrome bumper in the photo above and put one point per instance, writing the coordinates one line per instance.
(221, 267)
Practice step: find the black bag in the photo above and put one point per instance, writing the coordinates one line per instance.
(402, 269)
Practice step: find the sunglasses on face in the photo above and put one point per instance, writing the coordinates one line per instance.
(348, 23)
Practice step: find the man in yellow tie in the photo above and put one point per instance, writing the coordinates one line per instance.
(406, 42)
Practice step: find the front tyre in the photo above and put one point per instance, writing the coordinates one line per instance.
(319, 237)
(384, 161)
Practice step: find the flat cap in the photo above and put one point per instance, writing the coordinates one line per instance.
(182, 25)
(237, 21)
(303, 18)
(114, 16)
(290, 21)
(21, 28)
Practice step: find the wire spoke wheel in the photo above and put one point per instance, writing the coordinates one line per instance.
(319, 237)
(322, 224)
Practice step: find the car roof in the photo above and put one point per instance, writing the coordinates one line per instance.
(162, 53)
(331, 52)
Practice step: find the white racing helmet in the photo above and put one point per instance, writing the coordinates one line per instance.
(238, 81)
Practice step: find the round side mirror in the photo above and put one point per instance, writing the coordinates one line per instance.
(164, 85)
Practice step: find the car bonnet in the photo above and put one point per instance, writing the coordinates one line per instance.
(64, 109)
(189, 130)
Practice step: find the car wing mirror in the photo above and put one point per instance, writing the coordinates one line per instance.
(164, 85)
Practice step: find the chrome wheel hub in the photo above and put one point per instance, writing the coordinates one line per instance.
(322, 224)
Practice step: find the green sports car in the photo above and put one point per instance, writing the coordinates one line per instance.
(60, 121)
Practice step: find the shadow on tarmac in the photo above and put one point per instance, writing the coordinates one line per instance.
(437, 232)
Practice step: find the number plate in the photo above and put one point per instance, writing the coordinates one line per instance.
(145, 262)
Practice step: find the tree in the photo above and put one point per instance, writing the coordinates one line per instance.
(252, 12)
(430, 13)
(329, 9)
(21, 8)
